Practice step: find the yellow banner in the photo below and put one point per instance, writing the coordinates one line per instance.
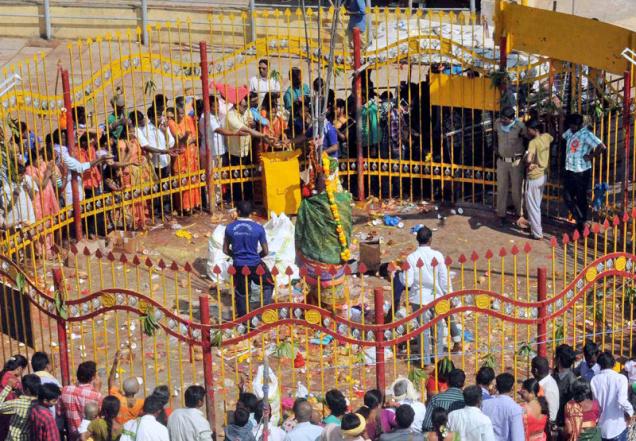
(460, 91)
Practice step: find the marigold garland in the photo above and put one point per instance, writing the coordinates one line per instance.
(331, 185)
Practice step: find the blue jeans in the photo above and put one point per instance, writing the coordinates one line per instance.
(621, 437)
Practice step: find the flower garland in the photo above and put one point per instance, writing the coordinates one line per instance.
(331, 186)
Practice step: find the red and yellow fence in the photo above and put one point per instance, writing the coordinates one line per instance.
(172, 328)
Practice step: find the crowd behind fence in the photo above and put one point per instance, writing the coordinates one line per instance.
(156, 312)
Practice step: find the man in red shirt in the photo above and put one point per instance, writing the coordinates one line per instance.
(42, 425)
(75, 397)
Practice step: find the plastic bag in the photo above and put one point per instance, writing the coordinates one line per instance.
(273, 392)
(279, 231)
(282, 247)
(216, 256)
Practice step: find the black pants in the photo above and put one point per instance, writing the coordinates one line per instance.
(162, 201)
(241, 190)
(96, 224)
(242, 287)
(575, 187)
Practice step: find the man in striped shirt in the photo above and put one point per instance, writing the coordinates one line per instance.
(19, 408)
(75, 397)
(452, 399)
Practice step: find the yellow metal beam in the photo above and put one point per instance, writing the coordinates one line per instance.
(563, 36)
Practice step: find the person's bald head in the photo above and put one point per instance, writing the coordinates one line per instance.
(302, 410)
(131, 387)
(91, 410)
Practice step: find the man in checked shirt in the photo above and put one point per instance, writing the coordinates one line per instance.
(75, 397)
(41, 423)
(19, 408)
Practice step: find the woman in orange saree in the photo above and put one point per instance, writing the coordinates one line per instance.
(137, 174)
(184, 131)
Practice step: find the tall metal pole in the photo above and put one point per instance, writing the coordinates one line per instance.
(70, 145)
(144, 21)
(542, 327)
(205, 90)
(208, 378)
(473, 7)
(252, 7)
(627, 80)
(357, 64)
(47, 19)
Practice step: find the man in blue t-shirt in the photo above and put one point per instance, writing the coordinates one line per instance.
(241, 241)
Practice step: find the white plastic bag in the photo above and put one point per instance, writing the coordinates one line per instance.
(279, 231)
(216, 256)
(273, 392)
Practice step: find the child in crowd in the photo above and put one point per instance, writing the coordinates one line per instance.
(240, 429)
(91, 410)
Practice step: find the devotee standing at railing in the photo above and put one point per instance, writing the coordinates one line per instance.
(581, 146)
(264, 83)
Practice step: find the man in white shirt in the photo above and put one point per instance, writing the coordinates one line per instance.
(404, 393)
(426, 279)
(609, 388)
(189, 423)
(155, 138)
(304, 430)
(64, 159)
(146, 428)
(470, 423)
(262, 83)
(540, 369)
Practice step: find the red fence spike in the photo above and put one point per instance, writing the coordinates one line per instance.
(289, 271)
(303, 272)
(148, 262)
(586, 231)
(575, 235)
(110, 256)
(566, 239)
(419, 263)
(606, 224)
(553, 242)
(474, 256)
(73, 249)
(245, 271)
(405, 266)
(527, 248)
(625, 217)
(434, 262)
(347, 270)
(489, 254)
(136, 260)
(161, 264)
(634, 212)
(216, 270)
(260, 271)
(275, 271)
(596, 228)
(187, 267)
(448, 261)
(174, 266)
(123, 259)
(98, 253)
(462, 259)
(231, 270)
(616, 221)
(362, 268)
(515, 250)
(502, 252)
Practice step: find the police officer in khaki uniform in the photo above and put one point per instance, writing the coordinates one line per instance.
(510, 166)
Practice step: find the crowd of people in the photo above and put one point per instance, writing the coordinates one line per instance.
(584, 396)
(135, 148)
